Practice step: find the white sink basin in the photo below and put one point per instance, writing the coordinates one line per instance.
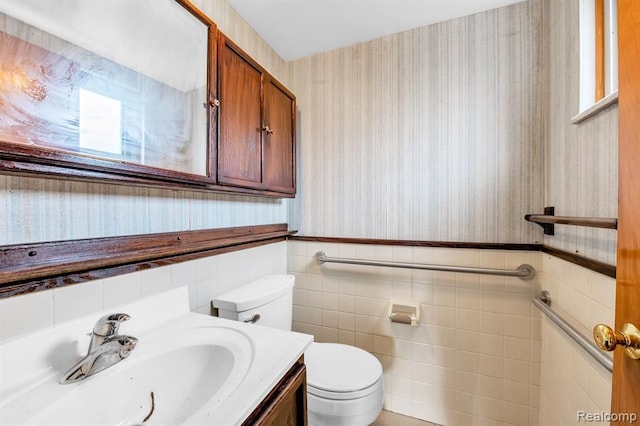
(199, 369)
(184, 369)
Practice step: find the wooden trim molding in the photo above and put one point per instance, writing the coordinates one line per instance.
(599, 53)
(420, 243)
(30, 168)
(594, 109)
(593, 265)
(26, 268)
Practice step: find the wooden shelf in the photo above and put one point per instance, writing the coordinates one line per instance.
(549, 219)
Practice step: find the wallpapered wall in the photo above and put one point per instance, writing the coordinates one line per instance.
(448, 132)
(454, 132)
(427, 134)
(581, 161)
(37, 209)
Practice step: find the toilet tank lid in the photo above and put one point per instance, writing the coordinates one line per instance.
(255, 293)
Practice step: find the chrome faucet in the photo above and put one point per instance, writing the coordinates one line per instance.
(106, 349)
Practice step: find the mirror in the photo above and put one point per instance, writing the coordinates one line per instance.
(109, 82)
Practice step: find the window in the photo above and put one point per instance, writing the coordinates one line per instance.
(100, 122)
(598, 54)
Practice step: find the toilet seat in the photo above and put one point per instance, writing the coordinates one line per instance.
(344, 395)
(340, 372)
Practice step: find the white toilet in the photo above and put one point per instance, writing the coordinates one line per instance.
(344, 383)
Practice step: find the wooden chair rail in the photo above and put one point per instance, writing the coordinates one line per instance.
(21, 266)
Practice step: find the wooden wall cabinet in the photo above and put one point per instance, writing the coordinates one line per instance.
(286, 404)
(201, 115)
(256, 124)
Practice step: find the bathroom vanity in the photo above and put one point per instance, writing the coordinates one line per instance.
(186, 368)
(286, 404)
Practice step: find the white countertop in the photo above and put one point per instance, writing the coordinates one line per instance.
(31, 365)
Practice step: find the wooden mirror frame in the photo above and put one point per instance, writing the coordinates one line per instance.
(29, 159)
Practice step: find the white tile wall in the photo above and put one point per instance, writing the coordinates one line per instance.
(206, 278)
(474, 359)
(570, 380)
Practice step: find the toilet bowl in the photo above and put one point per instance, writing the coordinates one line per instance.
(344, 383)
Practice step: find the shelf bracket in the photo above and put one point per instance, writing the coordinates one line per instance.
(548, 228)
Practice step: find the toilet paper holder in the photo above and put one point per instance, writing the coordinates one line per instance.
(404, 314)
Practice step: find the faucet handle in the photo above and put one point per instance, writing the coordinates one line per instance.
(108, 325)
(126, 344)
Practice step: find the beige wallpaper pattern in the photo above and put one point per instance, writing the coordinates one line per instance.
(448, 132)
(35, 209)
(454, 132)
(581, 161)
(427, 134)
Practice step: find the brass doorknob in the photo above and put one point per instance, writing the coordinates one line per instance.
(212, 103)
(629, 338)
(268, 129)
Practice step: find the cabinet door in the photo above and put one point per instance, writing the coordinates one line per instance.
(286, 404)
(240, 121)
(279, 139)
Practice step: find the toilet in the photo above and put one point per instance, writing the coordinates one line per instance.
(344, 383)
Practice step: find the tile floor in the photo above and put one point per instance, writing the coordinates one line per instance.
(387, 418)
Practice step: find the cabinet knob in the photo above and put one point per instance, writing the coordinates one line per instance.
(629, 338)
(269, 130)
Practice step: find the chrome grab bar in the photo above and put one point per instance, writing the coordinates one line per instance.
(587, 344)
(526, 272)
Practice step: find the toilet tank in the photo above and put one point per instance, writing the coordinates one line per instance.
(266, 301)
